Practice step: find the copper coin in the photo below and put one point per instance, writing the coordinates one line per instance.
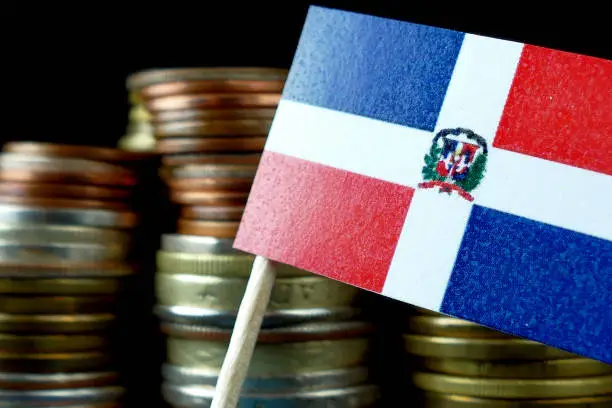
(69, 178)
(211, 184)
(200, 197)
(30, 167)
(171, 160)
(238, 127)
(62, 203)
(220, 229)
(211, 145)
(212, 100)
(104, 154)
(211, 86)
(212, 114)
(201, 212)
(214, 171)
(145, 78)
(62, 191)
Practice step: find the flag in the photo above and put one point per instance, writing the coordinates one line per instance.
(459, 173)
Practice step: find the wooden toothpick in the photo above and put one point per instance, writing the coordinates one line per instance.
(245, 333)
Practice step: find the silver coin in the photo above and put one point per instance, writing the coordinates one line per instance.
(40, 253)
(59, 271)
(18, 214)
(351, 397)
(74, 396)
(31, 381)
(272, 318)
(35, 234)
(20, 161)
(193, 244)
(298, 332)
(183, 376)
(241, 171)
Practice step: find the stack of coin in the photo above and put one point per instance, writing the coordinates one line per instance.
(210, 125)
(312, 350)
(459, 364)
(65, 248)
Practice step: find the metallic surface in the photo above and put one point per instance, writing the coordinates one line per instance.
(212, 292)
(210, 145)
(273, 359)
(481, 349)
(571, 367)
(33, 381)
(229, 158)
(74, 323)
(60, 286)
(350, 397)
(214, 127)
(51, 343)
(53, 362)
(61, 397)
(227, 319)
(56, 304)
(58, 252)
(155, 76)
(514, 388)
(451, 327)
(438, 400)
(56, 234)
(217, 213)
(15, 214)
(34, 189)
(193, 244)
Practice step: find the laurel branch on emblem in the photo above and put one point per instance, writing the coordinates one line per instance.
(456, 162)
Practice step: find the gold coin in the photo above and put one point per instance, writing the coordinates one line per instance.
(273, 359)
(238, 266)
(451, 327)
(212, 292)
(571, 367)
(73, 323)
(438, 400)
(59, 286)
(481, 349)
(56, 304)
(53, 362)
(50, 343)
(514, 388)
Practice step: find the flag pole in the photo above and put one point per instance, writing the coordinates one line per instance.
(245, 333)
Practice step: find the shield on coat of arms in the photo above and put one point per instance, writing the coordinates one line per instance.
(456, 162)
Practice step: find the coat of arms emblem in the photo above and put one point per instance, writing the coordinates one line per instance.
(456, 162)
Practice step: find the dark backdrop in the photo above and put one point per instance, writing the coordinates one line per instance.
(64, 67)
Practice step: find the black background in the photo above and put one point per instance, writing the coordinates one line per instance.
(64, 69)
(64, 66)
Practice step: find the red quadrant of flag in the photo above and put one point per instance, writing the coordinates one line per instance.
(329, 221)
(559, 109)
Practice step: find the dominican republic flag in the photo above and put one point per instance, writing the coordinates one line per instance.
(459, 173)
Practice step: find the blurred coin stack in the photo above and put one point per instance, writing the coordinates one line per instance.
(459, 364)
(312, 350)
(210, 125)
(65, 243)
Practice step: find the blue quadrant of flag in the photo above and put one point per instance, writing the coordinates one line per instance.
(378, 68)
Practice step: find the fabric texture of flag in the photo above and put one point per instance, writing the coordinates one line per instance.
(459, 173)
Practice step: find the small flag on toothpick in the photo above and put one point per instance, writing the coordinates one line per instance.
(459, 173)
